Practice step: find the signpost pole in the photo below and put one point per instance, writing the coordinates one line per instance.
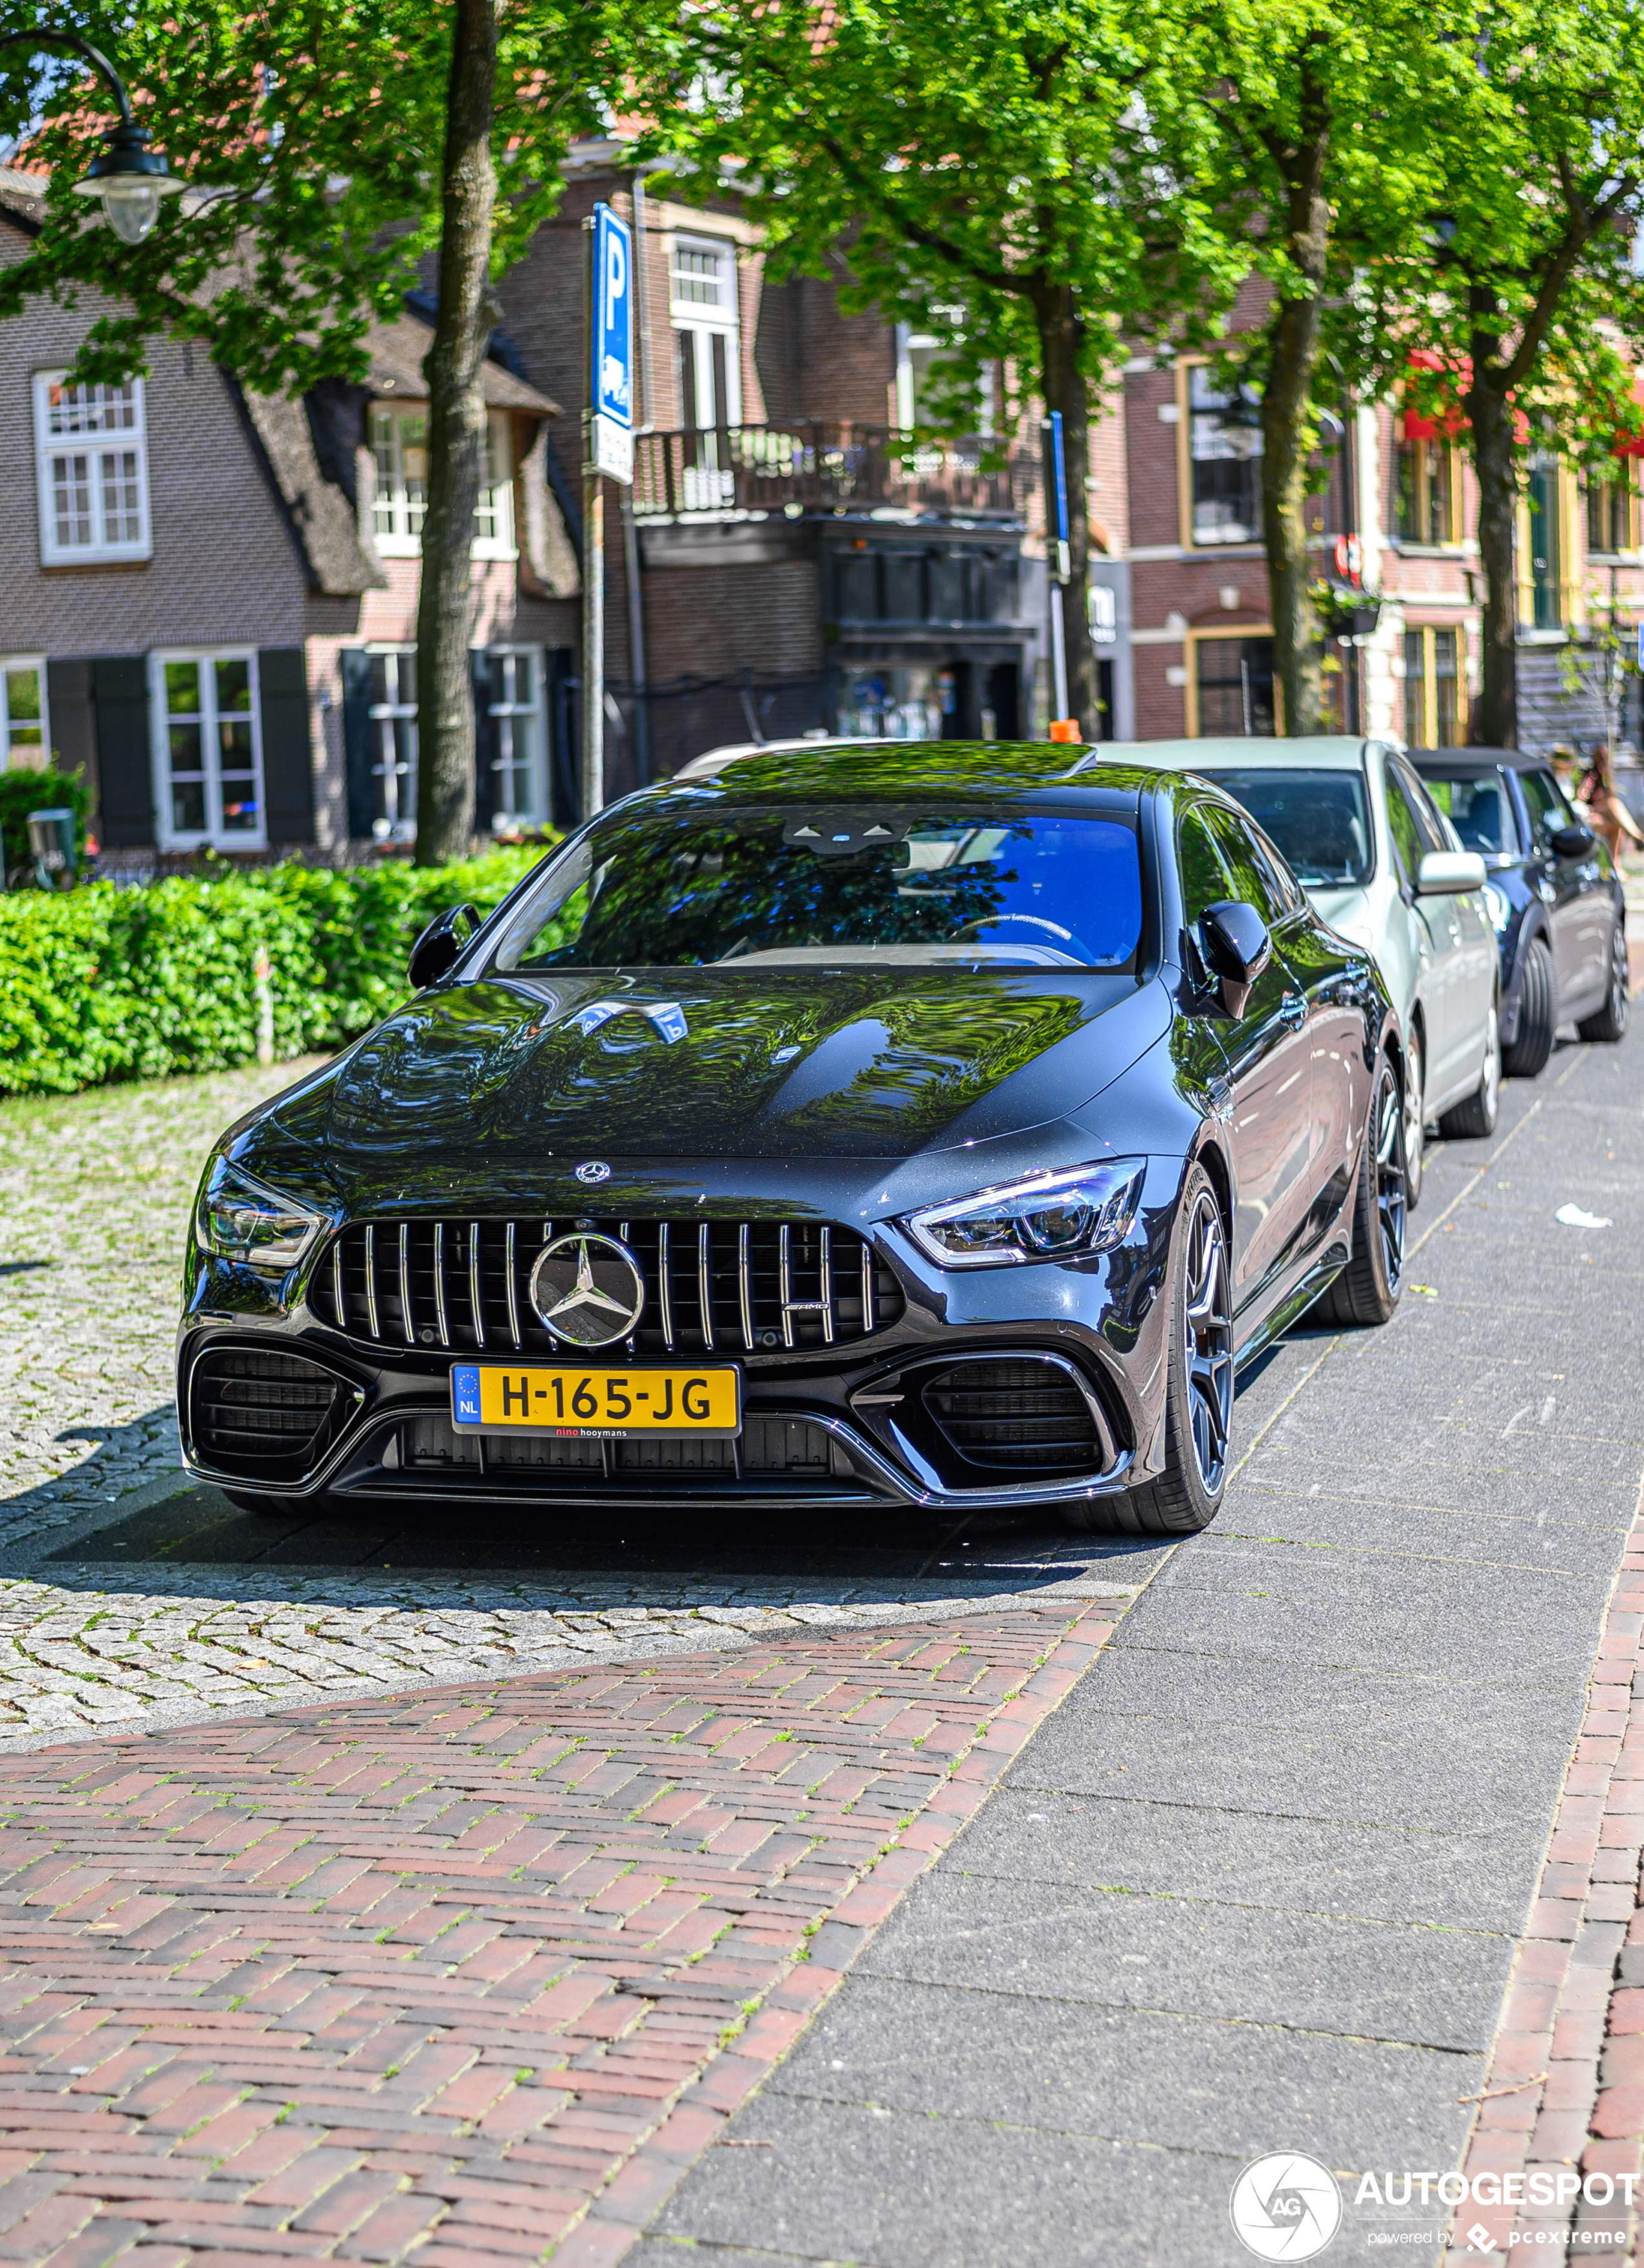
(592, 640)
(607, 448)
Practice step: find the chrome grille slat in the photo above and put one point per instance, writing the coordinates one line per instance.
(744, 1285)
(759, 1287)
(439, 1283)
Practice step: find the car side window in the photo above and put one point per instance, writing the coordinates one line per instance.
(1548, 811)
(1254, 877)
(1401, 819)
(1430, 822)
(1204, 880)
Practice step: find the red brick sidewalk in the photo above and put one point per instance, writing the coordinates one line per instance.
(477, 1973)
(1565, 2097)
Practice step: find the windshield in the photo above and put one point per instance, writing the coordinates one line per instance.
(1479, 810)
(1321, 820)
(872, 882)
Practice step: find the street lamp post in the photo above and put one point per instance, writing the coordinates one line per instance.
(127, 175)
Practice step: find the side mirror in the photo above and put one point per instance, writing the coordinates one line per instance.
(1237, 947)
(1442, 873)
(1572, 842)
(441, 945)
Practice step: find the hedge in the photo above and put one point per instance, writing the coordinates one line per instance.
(104, 983)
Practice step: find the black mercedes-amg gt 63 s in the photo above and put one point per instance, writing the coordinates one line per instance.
(922, 1125)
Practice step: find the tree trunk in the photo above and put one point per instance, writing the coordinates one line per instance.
(454, 367)
(1287, 429)
(1495, 722)
(1061, 337)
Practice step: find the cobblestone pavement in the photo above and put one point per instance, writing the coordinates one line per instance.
(234, 1613)
(464, 1979)
(94, 1196)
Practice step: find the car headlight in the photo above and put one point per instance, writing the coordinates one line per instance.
(1051, 1216)
(1499, 904)
(239, 1218)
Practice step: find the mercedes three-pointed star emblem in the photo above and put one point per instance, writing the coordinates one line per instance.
(588, 1289)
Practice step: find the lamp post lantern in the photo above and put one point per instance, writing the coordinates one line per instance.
(127, 175)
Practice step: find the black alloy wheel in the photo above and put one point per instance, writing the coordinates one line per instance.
(1198, 1410)
(1207, 1343)
(1367, 1290)
(1609, 1022)
(1538, 1015)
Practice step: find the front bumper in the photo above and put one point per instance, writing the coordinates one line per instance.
(993, 1389)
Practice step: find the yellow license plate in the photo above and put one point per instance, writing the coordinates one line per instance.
(610, 1404)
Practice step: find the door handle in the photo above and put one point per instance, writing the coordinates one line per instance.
(1293, 1010)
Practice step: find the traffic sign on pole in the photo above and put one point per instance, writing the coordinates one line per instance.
(609, 449)
(611, 339)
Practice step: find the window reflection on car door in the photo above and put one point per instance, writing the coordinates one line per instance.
(1473, 979)
(1266, 1054)
(1436, 944)
(1580, 913)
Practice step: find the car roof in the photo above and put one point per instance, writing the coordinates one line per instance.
(1322, 751)
(902, 767)
(704, 766)
(1475, 760)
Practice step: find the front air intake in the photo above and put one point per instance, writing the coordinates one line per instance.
(258, 1416)
(1033, 1417)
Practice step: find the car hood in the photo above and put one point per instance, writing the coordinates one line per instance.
(878, 1062)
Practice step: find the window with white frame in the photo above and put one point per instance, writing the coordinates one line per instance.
(399, 448)
(392, 715)
(207, 750)
(25, 726)
(519, 767)
(92, 466)
(703, 302)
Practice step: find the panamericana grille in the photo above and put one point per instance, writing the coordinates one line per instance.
(262, 1415)
(1029, 1416)
(719, 1286)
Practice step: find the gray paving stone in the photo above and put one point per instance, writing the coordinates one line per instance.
(1244, 1858)
(1259, 1965)
(1183, 2083)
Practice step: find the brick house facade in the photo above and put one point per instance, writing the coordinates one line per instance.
(209, 596)
(1397, 509)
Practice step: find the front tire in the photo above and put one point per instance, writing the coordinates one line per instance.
(1415, 1115)
(1476, 1116)
(1538, 1015)
(1367, 1290)
(1199, 1406)
(1609, 1022)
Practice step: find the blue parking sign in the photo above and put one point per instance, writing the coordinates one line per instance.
(611, 380)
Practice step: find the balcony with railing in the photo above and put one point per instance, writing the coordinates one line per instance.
(731, 471)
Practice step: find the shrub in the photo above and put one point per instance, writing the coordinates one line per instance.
(103, 984)
(23, 792)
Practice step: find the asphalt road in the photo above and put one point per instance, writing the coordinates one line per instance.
(1257, 1885)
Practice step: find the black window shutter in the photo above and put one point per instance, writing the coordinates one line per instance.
(485, 740)
(120, 697)
(73, 721)
(288, 767)
(362, 804)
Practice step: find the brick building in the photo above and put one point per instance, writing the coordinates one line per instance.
(787, 560)
(1397, 510)
(209, 597)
